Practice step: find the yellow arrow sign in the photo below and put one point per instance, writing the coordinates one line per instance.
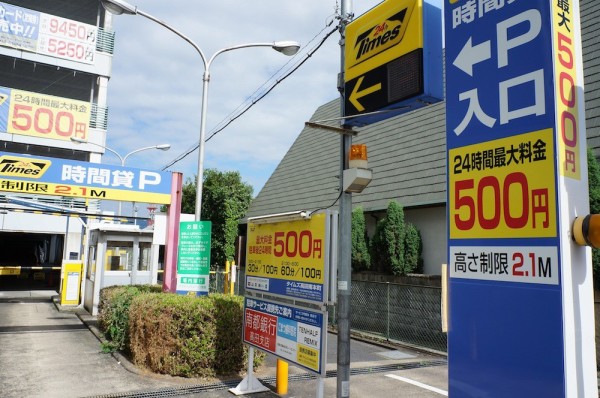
(356, 94)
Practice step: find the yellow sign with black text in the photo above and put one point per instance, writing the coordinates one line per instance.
(18, 166)
(504, 188)
(388, 31)
(291, 250)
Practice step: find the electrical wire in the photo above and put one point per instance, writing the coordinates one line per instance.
(310, 213)
(256, 92)
(254, 101)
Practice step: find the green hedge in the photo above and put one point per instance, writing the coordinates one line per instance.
(113, 313)
(177, 335)
(188, 336)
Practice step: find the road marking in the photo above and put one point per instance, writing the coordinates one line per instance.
(418, 384)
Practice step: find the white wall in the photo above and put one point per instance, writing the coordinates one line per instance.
(431, 223)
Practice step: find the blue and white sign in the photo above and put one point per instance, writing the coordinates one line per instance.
(291, 333)
(63, 177)
(516, 140)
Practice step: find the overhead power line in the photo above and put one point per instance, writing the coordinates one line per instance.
(255, 100)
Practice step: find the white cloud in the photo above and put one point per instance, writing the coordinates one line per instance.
(155, 89)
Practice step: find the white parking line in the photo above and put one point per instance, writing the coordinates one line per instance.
(419, 384)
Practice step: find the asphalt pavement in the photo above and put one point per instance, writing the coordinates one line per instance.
(51, 351)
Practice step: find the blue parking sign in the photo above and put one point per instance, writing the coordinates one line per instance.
(515, 134)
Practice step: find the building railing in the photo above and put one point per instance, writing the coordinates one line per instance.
(99, 117)
(106, 41)
(43, 202)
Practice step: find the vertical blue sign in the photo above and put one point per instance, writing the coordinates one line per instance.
(505, 336)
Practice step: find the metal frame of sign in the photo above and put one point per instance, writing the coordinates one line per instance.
(285, 301)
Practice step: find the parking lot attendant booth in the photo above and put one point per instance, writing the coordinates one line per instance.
(117, 254)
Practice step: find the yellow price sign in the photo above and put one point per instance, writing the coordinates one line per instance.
(504, 188)
(288, 258)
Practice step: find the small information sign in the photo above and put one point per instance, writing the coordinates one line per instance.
(193, 263)
(293, 334)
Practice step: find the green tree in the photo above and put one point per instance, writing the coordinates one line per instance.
(378, 257)
(393, 234)
(594, 189)
(225, 200)
(188, 197)
(361, 260)
(396, 246)
(413, 250)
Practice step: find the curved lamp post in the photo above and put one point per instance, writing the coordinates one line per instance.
(162, 147)
(289, 48)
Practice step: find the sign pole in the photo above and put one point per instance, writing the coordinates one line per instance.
(345, 226)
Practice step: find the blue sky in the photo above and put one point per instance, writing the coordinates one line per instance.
(154, 94)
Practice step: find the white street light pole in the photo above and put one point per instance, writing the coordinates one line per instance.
(162, 147)
(285, 47)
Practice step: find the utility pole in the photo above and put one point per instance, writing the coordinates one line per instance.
(345, 226)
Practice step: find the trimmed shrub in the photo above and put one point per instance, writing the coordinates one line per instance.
(361, 259)
(413, 250)
(113, 313)
(188, 336)
(230, 356)
(173, 334)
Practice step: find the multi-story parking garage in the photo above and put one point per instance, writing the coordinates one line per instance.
(55, 63)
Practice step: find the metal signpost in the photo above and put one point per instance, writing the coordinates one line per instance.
(521, 315)
(288, 267)
(193, 261)
(391, 63)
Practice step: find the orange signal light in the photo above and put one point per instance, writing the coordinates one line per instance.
(358, 156)
(358, 152)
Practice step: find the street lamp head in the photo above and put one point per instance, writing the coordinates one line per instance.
(118, 7)
(78, 140)
(163, 147)
(286, 47)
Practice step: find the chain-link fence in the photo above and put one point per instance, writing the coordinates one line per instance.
(404, 313)
(217, 281)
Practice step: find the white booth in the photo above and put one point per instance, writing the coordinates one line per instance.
(117, 254)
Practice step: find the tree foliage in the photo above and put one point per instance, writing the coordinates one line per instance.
(413, 250)
(225, 200)
(393, 234)
(361, 260)
(396, 247)
(594, 189)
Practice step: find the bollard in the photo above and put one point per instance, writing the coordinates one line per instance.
(232, 276)
(282, 377)
(226, 278)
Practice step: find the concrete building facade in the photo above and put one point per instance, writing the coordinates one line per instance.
(55, 64)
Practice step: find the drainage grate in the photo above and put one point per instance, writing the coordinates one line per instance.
(23, 300)
(195, 389)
